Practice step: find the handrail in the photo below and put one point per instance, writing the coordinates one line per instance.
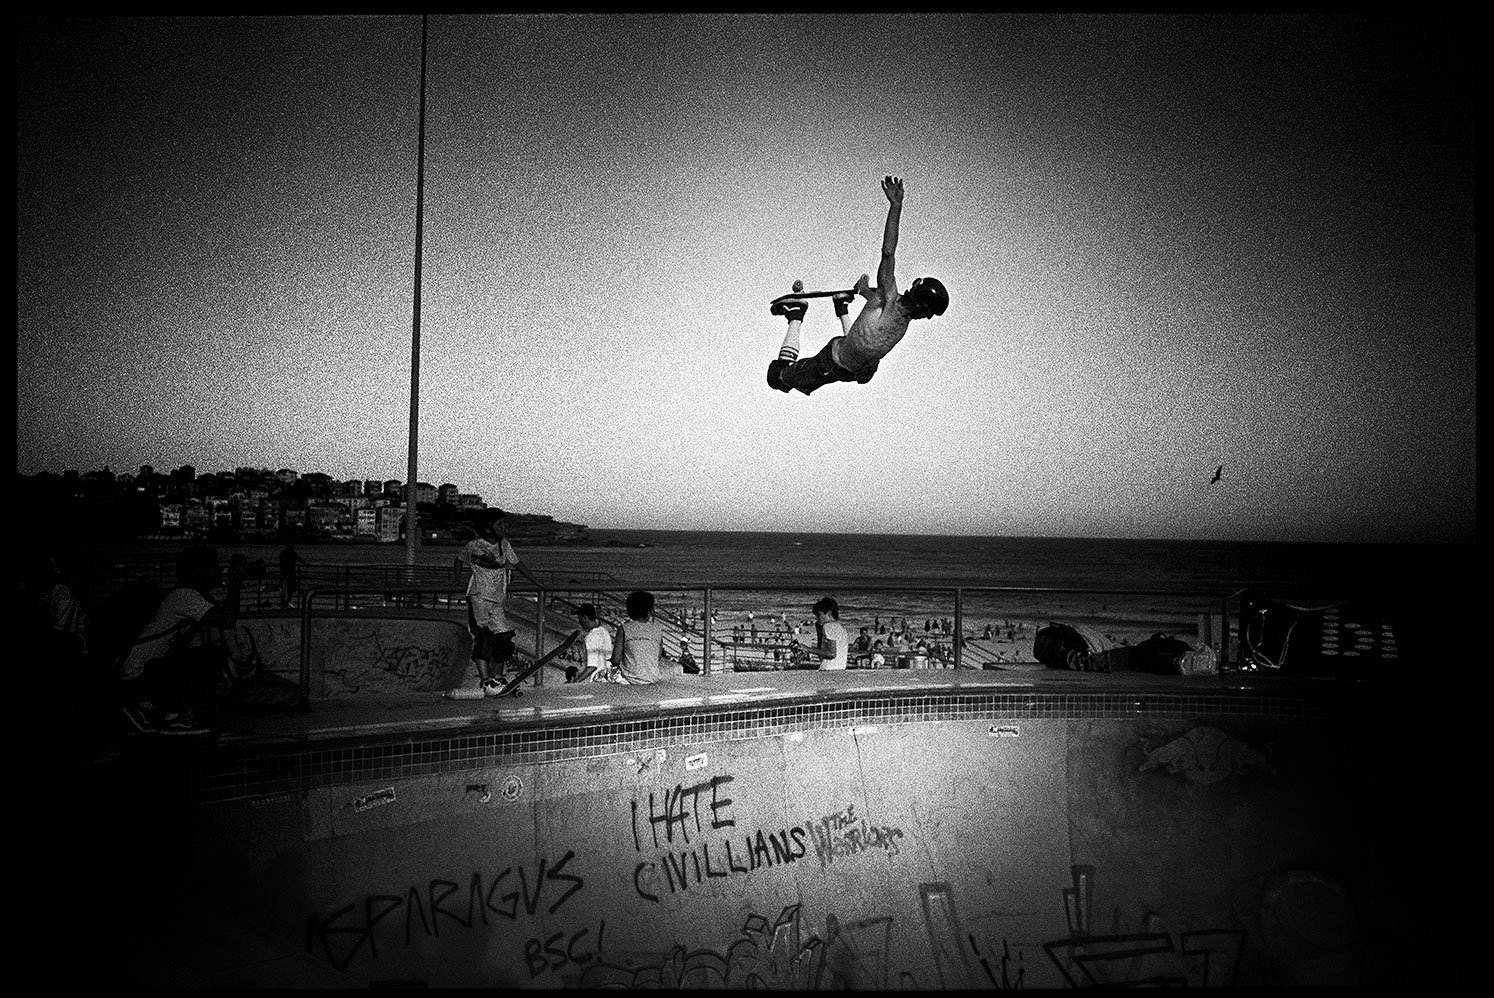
(310, 596)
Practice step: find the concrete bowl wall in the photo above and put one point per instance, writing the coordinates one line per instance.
(928, 854)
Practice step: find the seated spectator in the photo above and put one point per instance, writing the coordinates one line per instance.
(597, 641)
(638, 648)
(878, 660)
(170, 675)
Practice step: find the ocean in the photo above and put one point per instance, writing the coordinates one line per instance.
(1131, 586)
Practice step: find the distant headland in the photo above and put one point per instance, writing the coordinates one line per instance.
(260, 504)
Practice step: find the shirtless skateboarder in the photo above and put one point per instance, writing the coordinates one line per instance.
(854, 355)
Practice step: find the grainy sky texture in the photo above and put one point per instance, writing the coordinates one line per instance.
(1170, 243)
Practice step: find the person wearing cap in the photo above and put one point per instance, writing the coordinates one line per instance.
(884, 319)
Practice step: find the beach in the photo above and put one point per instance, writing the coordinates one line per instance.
(1123, 590)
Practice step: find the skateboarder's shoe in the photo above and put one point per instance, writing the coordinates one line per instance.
(138, 718)
(491, 687)
(775, 368)
(790, 310)
(184, 724)
(843, 301)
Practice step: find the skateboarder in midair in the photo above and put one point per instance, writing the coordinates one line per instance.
(854, 355)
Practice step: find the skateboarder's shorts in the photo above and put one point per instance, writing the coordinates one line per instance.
(491, 646)
(809, 373)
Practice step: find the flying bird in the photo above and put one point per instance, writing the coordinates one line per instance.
(1217, 472)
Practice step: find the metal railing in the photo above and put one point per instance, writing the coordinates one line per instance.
(448, 598)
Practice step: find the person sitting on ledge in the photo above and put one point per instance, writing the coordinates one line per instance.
(598, 643)
(639, 646)
(170, 672)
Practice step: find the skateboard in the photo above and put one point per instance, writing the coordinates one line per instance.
(810, 294)
(799, 292)
(512, 686)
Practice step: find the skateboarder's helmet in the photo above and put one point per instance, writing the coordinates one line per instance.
(929, 295)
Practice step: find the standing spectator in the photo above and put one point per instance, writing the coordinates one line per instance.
(639, 646)
(752, 624)
(831, 643)
(170, 674)
(597, 641)
(491, 557)
(289, 582)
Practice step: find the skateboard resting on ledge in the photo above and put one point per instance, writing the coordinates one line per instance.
(512, 686)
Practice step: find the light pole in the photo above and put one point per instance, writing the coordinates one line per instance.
(412, 518)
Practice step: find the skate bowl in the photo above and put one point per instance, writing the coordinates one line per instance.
(942, 832)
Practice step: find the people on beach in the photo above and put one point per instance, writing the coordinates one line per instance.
(831, 643)
(491, 558)
(638, 648)
(170, 676)
(882, 323)
(597, 641)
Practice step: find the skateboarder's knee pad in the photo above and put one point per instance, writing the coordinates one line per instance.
(775, 370)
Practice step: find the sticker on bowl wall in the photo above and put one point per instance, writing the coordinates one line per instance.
(1005, 731)
(385, 796)
(695, 761)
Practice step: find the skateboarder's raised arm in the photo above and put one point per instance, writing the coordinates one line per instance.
(886, 281)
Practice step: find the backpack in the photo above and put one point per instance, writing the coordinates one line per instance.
(1079, 648)
(1160, 654)
(1059, 646)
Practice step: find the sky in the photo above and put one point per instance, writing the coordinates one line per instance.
(1170, 242)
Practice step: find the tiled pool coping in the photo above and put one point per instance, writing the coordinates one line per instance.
(236, 771)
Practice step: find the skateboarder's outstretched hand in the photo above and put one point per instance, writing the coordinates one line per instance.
(893, 188)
